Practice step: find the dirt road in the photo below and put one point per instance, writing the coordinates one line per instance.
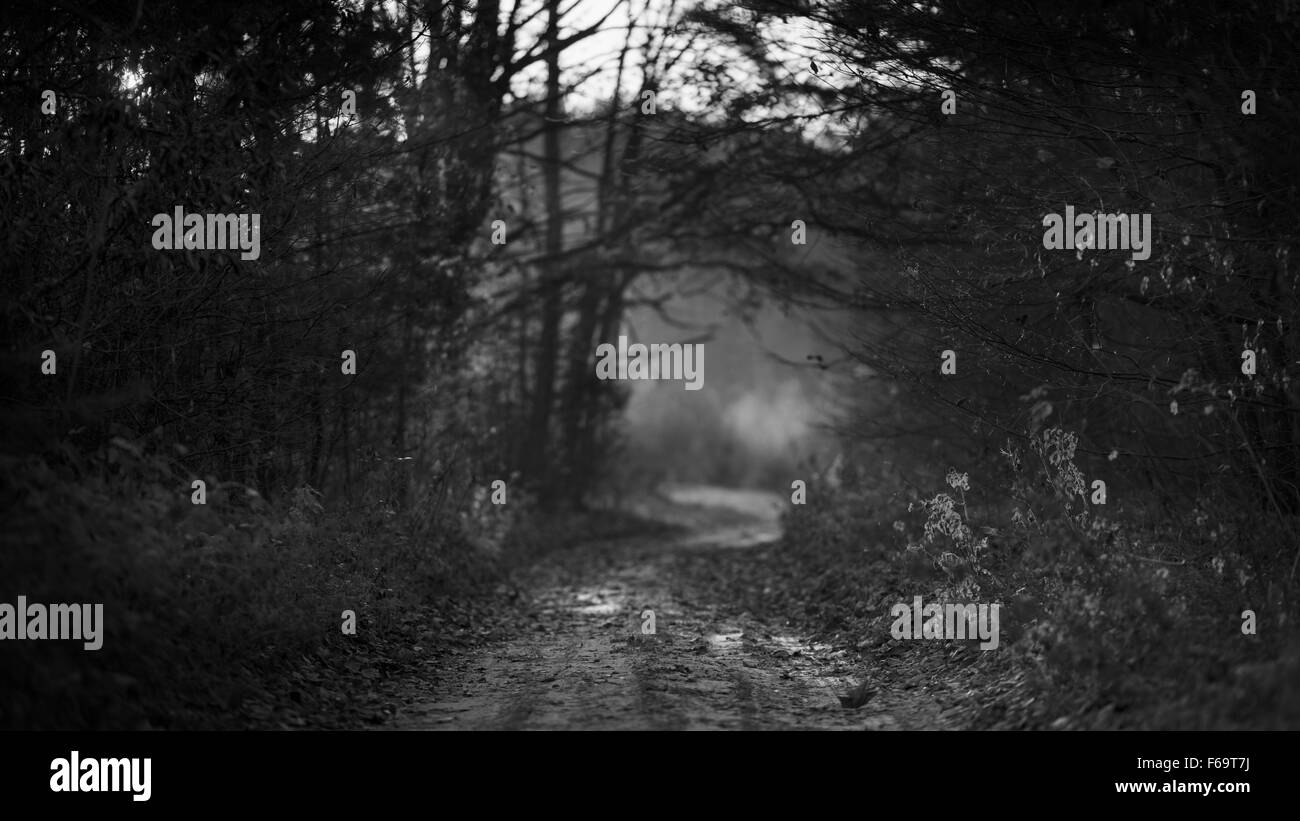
(584, 662)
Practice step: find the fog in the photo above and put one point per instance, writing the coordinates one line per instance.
(761, 420)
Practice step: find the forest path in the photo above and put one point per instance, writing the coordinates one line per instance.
(583, 662)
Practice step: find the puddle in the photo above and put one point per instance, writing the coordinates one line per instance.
(602, 601)
(607, 609)
(724, 641)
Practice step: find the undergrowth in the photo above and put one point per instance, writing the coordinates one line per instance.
(1107, 621)
(230, 613)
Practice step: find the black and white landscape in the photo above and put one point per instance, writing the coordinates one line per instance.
(648, 365)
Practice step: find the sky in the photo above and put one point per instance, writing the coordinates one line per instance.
(598, 55)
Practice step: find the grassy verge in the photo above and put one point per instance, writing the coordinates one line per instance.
(1105, 623)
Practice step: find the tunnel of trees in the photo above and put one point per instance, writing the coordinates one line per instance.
(464, 199)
